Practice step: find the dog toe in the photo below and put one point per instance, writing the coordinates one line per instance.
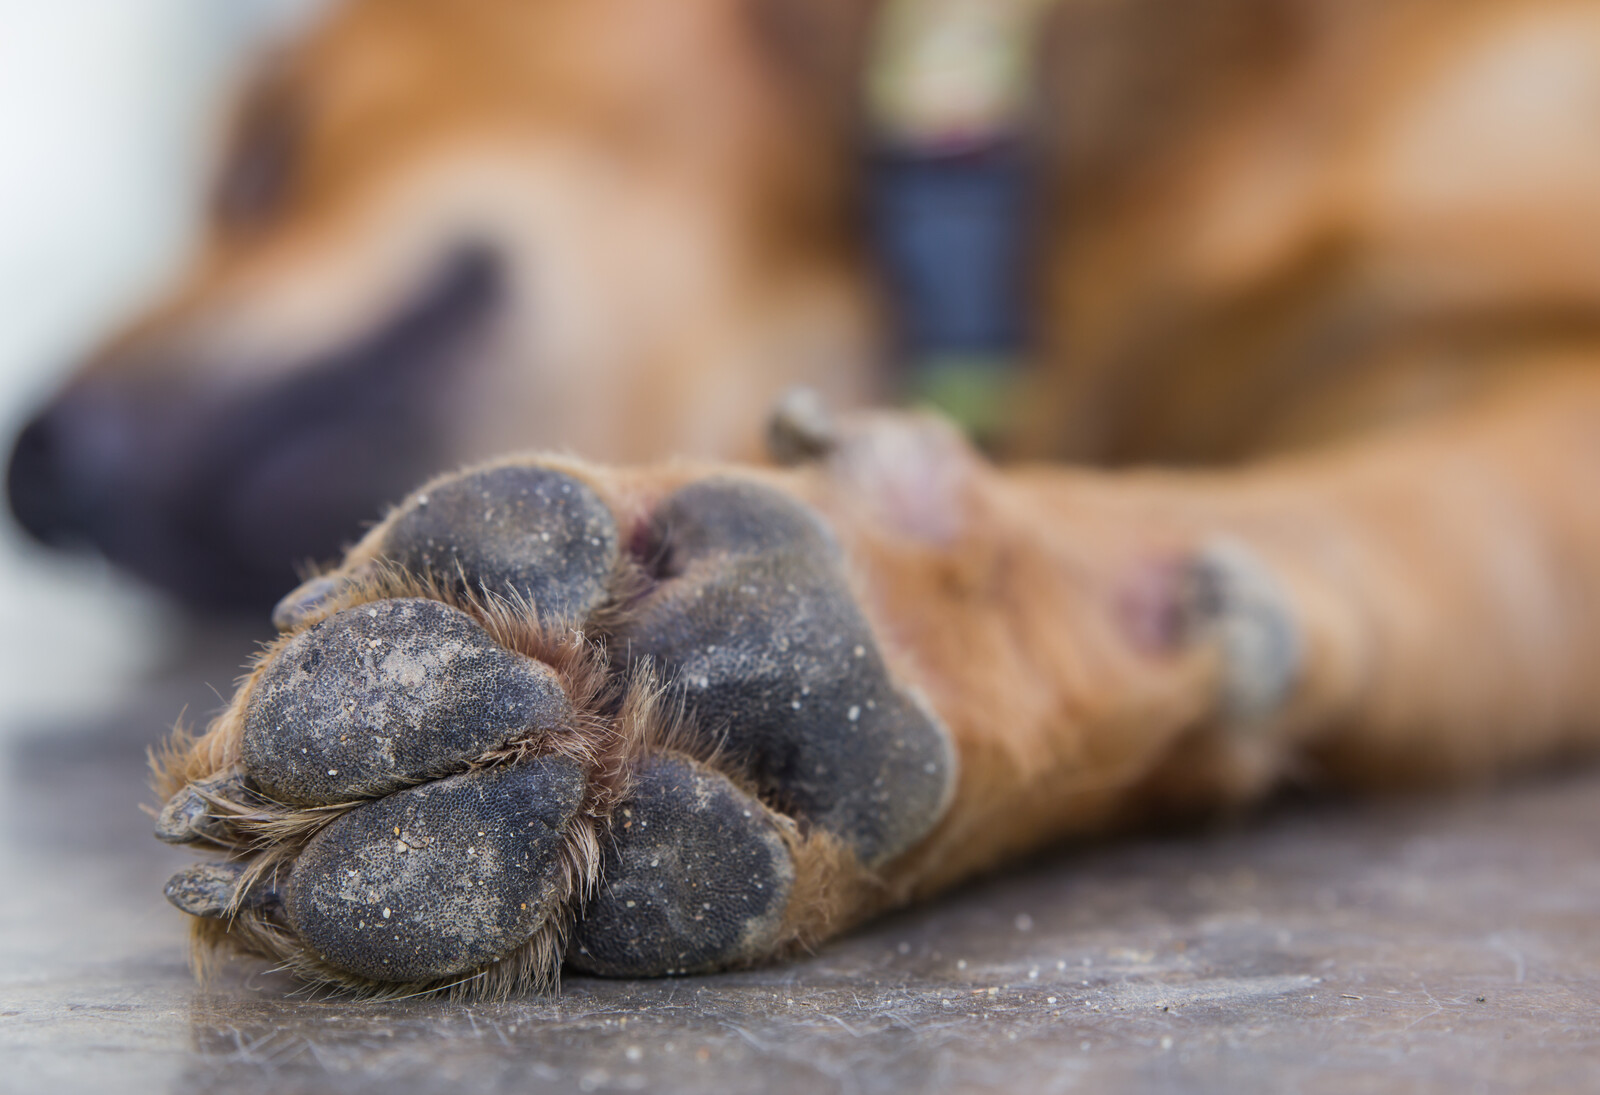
(697, 877)
(517, 531)
(386, 694)
(440, 879)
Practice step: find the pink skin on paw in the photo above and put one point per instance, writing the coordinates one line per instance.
(1151, 605)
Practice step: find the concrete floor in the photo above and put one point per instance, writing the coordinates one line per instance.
(1438, 944)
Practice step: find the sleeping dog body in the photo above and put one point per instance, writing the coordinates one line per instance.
(648, 716)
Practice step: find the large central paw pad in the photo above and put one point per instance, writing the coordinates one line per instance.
(455, 767)
(773, 652)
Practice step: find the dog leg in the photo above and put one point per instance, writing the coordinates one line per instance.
(533, 679)
(685, 717)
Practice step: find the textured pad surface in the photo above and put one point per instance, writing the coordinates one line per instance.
(518, 532)
(756, 621)
(439, 879)
(386, 694)
(697, 877)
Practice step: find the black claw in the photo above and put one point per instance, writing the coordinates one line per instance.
(187, 816)
(1234, 598)
(440, 879)
(526, 532)
(698, 877)
(760, 628)
(210, 890)
(385, 694)
(300, 603)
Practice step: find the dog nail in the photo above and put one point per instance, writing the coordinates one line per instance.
(801, 429)
(209, 890)
(1234, 598)
(187, 816)
(302, 602)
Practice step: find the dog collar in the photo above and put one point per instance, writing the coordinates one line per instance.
(949, 199)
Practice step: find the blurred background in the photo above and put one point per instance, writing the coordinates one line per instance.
(267, 265)
(109, 117)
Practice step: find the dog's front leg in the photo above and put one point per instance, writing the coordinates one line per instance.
(683, 717)
(1104, 647)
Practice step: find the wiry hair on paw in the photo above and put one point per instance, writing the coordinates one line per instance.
(212, 800)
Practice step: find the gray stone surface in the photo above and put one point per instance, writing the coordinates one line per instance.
(1444, 944)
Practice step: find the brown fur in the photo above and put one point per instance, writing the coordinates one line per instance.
(1331, 236)
(1264, 224)
(1439, 646)
(680, 184)
(1276, 223)
(1267, 222)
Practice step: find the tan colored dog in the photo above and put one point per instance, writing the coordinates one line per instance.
(901, 665)
(897, 666)
(443, 231)
(1281, 224)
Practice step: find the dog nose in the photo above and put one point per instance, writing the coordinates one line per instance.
(216, 490)
(109, 468)
(40, 499)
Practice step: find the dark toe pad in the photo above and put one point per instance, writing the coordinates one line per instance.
(440, 879)
(523, 532)
(698, 878)
(386, 694)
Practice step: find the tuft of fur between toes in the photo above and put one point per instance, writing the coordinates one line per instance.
(437, 783)
(245, 902)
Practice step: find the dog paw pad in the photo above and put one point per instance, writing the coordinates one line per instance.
(386, 694)
(417, 796)
(758, 624)
(521, 532)
(440, 879)
(697, 877)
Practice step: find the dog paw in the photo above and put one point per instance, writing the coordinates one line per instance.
(526, 722)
